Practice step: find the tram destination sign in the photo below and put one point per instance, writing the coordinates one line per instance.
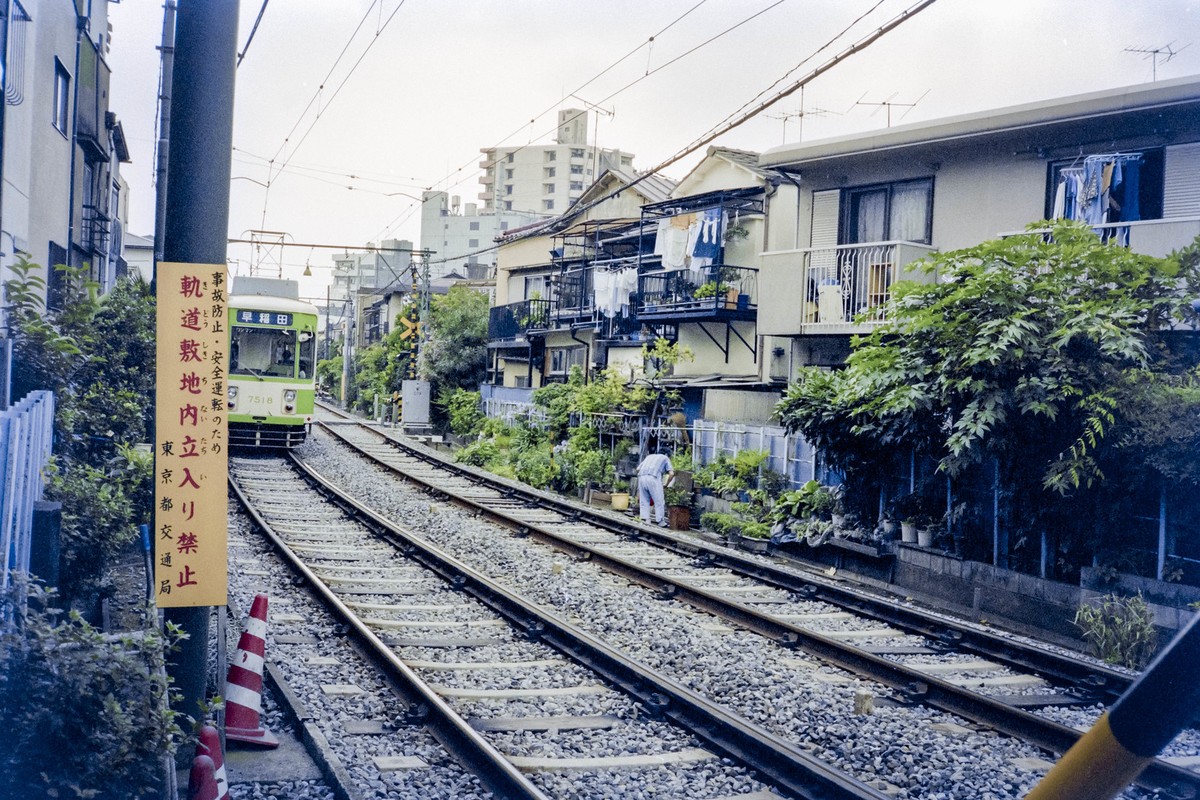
(191, 462)
(277, 319)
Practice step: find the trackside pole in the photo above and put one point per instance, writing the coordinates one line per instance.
(1130, 734)
(197, 222)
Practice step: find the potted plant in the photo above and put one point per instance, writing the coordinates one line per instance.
(909, 508)
(681, 464)
(679, 507)
(619, 500)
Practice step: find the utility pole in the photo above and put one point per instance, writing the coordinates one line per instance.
(197, 222)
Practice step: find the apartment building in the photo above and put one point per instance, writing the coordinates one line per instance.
(62, 145)
(546, 179)
(870, 205)
(461, 238)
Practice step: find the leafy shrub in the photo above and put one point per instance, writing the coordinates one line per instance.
(478, 454)
(720, 522)
(1120, 630)
(84, 714)
(536, 467)
(462, 408)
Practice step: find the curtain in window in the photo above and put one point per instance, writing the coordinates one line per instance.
(910, 210)
(870, 213)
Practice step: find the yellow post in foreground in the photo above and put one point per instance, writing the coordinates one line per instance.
(1130, 734)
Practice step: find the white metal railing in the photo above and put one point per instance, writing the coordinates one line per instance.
(788, 453)
(26, 439)
(853, 282)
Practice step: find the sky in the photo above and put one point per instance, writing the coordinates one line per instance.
(345, 110)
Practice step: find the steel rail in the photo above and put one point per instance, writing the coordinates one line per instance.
(777, 760)
(911, 684)
(1092, 681)
(425, 706)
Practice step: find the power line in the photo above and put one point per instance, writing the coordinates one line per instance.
(724, 128)
(643, 77)
(261, 10)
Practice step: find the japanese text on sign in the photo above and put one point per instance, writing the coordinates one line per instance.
(191, 463)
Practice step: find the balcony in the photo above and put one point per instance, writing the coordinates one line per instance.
(719, 292)
(94, 228)
(576, 302)
(847, 287)
(514, 322)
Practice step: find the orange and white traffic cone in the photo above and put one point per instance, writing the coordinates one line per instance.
(243, 686)
(201, 783)
(210, 745)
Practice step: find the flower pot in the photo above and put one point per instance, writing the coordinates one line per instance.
(679, 517)
(925, 537)
(753, 545)
(619, 501)
(908, 532)
(743, 302)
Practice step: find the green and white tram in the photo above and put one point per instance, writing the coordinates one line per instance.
(272, 370)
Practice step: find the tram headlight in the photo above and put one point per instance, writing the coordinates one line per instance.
(232, 397)
(289, 401)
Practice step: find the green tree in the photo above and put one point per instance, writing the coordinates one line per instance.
(1031, 351)
(454, 354)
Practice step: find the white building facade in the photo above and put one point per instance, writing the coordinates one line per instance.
(461, 239)
(62, 147)
(545, 179)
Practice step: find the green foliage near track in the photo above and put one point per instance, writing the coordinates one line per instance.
(96, 353)
(84, 714)
(1065, 362)
(1119, 630)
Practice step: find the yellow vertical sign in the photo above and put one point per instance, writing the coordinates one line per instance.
(191, 436)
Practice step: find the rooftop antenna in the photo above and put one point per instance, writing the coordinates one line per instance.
(608, 112)
(799, 114)
(888, 103)
(1168, 51)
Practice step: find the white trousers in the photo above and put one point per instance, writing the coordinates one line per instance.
(650, 488)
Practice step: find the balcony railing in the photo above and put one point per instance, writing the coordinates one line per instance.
(715, 292)
(576, 300)
(513, 321)
(852, 283)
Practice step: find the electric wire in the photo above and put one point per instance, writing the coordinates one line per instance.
(724, 127)
(261, 10)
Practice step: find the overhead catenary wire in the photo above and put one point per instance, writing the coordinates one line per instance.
(644, 76)
(261, 10)
(726, 126)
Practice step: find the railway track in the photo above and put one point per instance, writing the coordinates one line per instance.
(528, 703)
(984, 680)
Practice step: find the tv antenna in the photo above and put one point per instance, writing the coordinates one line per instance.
(1167, 52)
(889, 103)
(799, 114)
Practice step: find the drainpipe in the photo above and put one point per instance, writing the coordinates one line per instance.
(587, 348)
(81, 26)
(796, 234)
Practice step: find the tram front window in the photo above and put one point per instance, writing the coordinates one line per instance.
(263, 351)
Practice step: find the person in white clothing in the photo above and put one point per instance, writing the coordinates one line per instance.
(650, 487)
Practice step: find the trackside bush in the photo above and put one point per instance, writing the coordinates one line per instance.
(1120, 630)
(82, 714)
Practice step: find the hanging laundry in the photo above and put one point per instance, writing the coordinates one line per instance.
(708, 240)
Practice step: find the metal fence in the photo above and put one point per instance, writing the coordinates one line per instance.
(789, 454)
(26, 437)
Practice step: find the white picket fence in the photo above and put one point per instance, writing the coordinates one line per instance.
(26, 439)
